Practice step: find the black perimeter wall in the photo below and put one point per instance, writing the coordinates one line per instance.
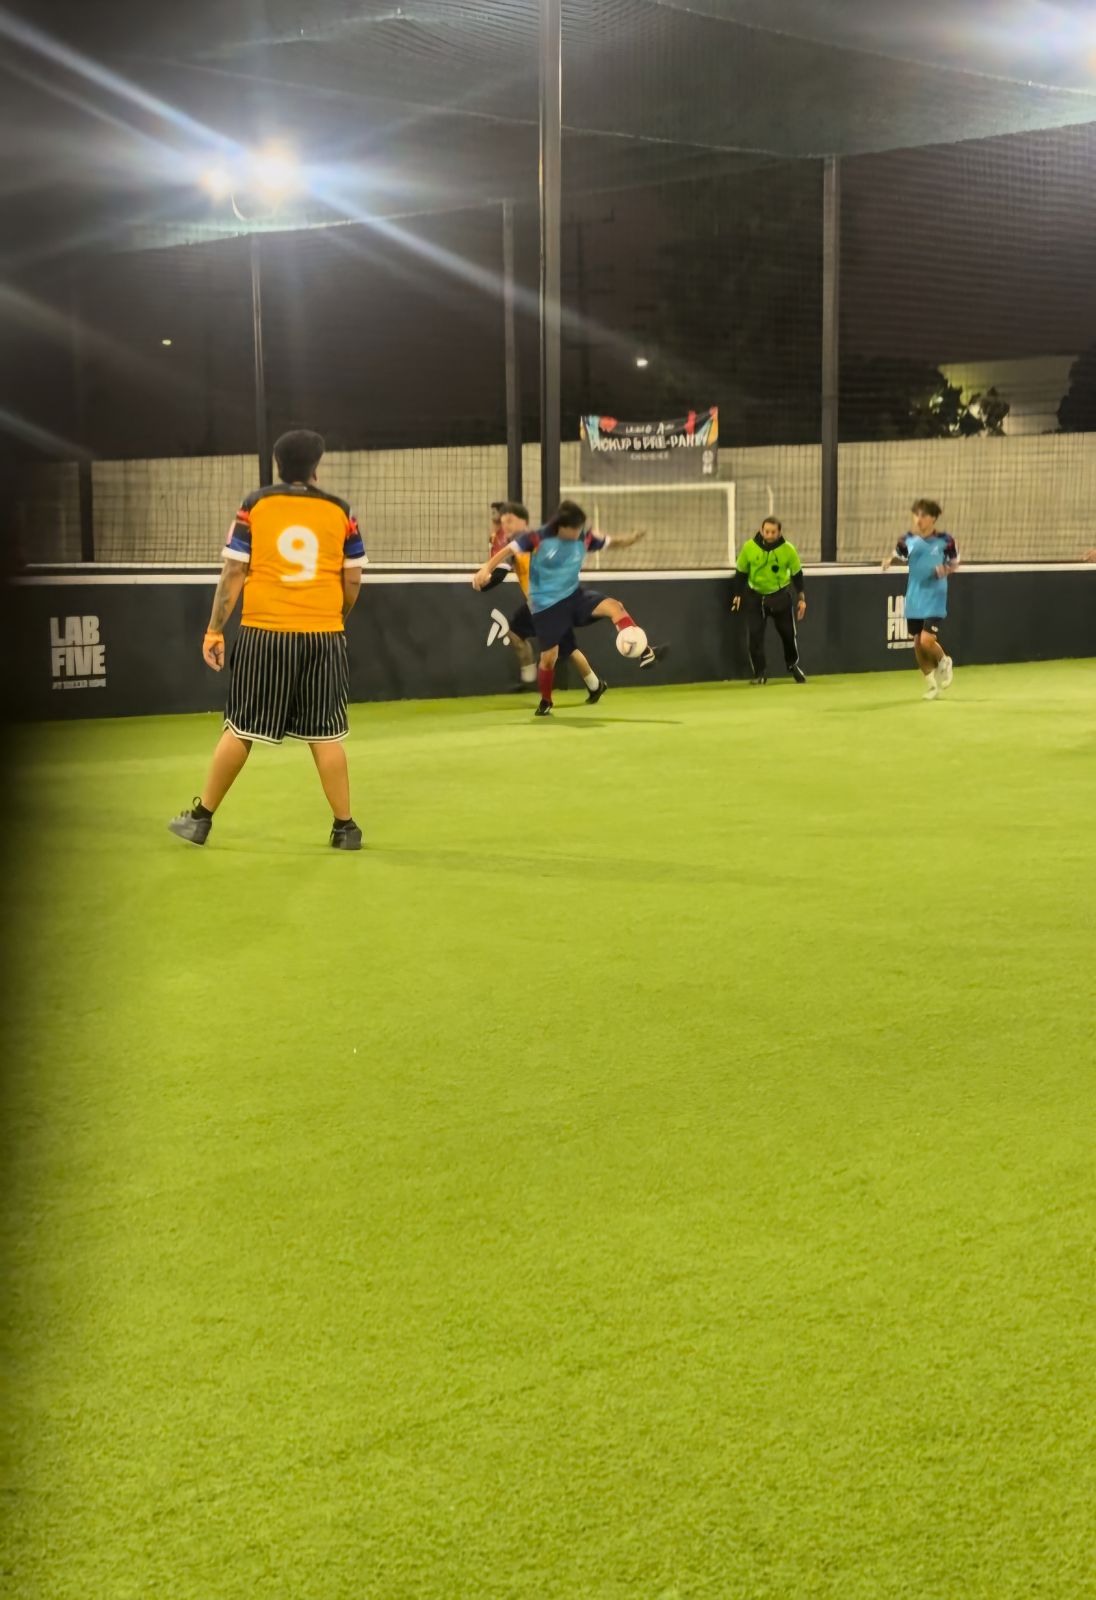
(128, 645)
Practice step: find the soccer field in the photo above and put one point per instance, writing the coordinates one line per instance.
(660, 1165)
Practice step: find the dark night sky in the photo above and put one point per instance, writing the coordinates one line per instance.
(959, 252)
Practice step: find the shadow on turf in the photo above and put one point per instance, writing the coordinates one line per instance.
(303, 846)
(918, 703)
(597, 722)
(603, 722)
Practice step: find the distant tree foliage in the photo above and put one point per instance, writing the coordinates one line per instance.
(1077, 412)
(893, 397)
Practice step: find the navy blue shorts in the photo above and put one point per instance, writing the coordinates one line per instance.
(554, 623)
(521, 622)
(521, 625)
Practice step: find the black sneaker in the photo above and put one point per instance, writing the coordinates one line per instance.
(194, 829)
(797, 673)
(653, 653)
(760, 680)
(544, 709)
(594, 695)
(348, 837)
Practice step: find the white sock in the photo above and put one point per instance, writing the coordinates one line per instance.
(591, 680)
(529, 673)
(931, 673)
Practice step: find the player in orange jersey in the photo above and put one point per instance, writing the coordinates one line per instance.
(296, 554)
(513, 634)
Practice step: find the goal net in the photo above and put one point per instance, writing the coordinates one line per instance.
(687, 524)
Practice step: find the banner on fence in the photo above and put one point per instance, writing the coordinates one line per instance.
(678, 450)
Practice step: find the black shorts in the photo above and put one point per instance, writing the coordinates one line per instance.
(288, 686)
(521, 622)
(555, 623)
(916, 625)
(523, 627)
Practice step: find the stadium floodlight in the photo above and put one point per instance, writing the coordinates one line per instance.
(165, 342)
(217, 182)
(256, 181)
(274, 171)
(641, 361)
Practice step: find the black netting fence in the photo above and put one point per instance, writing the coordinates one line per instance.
(691, 241)
(968, 326)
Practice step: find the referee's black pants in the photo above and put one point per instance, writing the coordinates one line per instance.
(781, 608)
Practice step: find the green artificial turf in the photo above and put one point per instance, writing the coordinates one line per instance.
(659, 1166)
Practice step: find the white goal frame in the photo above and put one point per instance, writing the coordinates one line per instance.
(592, 494)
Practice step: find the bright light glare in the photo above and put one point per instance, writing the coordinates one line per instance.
(275, 171)
(217, 181)
(641, 361)
(272, 174)
(165, 342)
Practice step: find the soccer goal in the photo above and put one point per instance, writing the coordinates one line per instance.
(688, 524)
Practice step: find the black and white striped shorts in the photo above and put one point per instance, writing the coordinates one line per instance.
(288, 685)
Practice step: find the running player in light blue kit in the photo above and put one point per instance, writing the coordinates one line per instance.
(932, 557)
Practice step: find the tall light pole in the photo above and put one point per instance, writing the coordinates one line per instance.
(831, 350)
(551, 161)
(262, 412)
(256, 186)
(510, 340)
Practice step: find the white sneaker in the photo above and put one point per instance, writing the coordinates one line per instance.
(945, 671)
(932, 688)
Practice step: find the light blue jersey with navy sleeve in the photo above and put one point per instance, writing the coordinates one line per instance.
(926, 594)
(556, 566)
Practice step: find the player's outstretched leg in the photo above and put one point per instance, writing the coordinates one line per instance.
(620, 618)
(569, 651)
(227, 764)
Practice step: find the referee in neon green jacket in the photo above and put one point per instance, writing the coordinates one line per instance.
(767, 571)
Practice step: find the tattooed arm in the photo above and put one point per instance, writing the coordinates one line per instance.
(229, 588)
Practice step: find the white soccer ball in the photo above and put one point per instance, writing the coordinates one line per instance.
(631, 642)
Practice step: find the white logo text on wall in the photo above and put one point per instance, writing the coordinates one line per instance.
(499, 629)
(77, 654)
(897, 636)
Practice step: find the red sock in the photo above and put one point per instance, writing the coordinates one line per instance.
(625, 621)
(546, 677)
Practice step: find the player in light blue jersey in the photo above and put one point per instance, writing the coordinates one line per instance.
(557, 601)
(932, 557)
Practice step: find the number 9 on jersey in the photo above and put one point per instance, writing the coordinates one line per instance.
(299, 548)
